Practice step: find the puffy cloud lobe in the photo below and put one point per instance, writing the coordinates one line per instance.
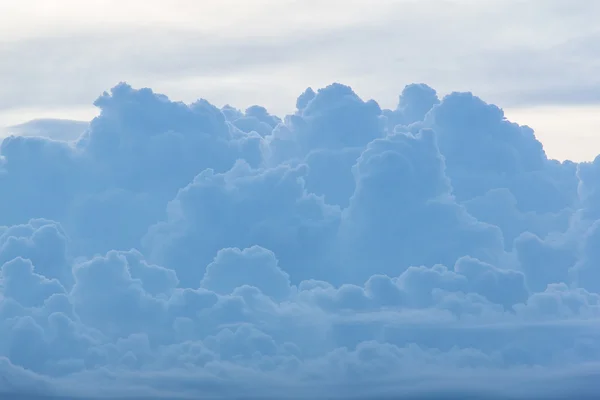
(109, 299)
(151, 143)
(506, 287)
(305, 98)
(254, 266)
(502, 146)
(334, 118)
(21, 283)
(182, 249)
(485, 151)
(544, 262)
(499, 207)
(414, 103)
(242, 208)
(262, 115)
(255, 119)
(129, 163)
(402, 214)
(43, 242)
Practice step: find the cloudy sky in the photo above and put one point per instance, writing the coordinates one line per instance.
(415, 244)
(537, 59)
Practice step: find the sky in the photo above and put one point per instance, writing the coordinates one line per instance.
(299, 199)
(537, 59)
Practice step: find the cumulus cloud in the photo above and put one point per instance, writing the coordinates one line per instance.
(181, 250)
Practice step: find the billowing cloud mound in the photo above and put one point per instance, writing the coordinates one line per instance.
(185, 250)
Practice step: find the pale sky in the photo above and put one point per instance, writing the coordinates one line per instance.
(537, 59)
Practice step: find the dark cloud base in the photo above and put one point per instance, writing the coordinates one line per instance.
(344, 251)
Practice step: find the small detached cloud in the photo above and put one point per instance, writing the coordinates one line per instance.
(181, 250)
(57, 129)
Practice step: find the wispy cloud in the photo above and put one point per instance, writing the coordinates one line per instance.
(513, 57)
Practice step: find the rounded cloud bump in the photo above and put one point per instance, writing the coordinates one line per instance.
(346, 250)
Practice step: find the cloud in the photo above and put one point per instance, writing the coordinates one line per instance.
(58, 129)
(254, 266)
(513, 60)
(180, 250)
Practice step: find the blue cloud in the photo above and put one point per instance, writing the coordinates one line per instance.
(414, 103)
(182, 250)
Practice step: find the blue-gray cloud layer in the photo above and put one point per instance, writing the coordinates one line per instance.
(187, 250)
